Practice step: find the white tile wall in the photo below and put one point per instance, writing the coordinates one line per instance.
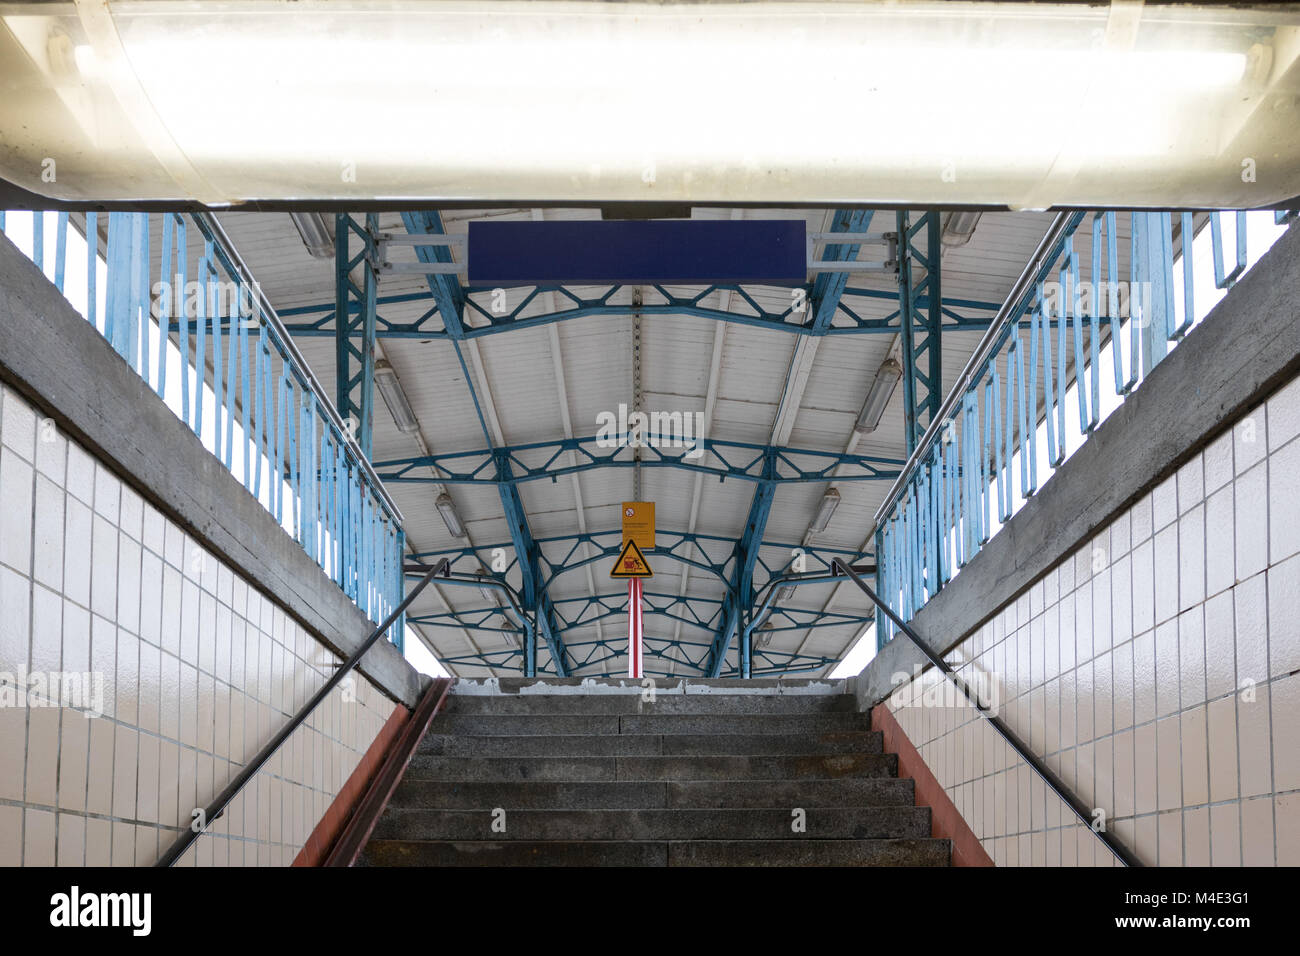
(1155, 669)
(198, 670)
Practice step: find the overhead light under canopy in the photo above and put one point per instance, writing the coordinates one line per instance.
(882, 390)
(316, 233)
(390, 389)
(450, 516)
(830, 501)
(959, 226)
(1026, 105)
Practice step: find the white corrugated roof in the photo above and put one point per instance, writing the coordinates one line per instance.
(530, 380)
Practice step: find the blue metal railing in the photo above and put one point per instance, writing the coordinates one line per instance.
(175, 301)
(1007, 412)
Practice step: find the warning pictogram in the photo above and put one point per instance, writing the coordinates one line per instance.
(631, 563)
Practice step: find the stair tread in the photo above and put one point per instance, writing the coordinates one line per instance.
(636, 794)
(513, 745)
(802, 851)
(608, 779)
(567, 723)
(653, 768)
(679, 823)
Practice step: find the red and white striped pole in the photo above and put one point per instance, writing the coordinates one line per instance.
(634, 627)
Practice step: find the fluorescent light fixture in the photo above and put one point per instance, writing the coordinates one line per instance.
(764, 636)
(958, 227)
(447, 508)
(316, 233)
(391, 390)
(1163, 102)
(784, 594)
(830, 501)
(882, 390)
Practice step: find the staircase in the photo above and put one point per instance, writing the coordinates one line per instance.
(699, 777)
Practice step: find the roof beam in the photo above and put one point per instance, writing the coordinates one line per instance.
(744, 461)
(828, 287)
(448, 294)
(975, 315)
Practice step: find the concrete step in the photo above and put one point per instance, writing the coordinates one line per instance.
(499, 725)
(907, 852)
(663, 704)
(630, 745)
(860, 823)
(636, 795)
(508, 853)
(844, 792)
(904, 852)
(533, 745)
(592, 775)
(713, 767)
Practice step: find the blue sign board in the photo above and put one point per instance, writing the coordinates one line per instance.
(638, 252)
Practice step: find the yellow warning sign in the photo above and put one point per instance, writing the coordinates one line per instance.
(639, 524)
(631, 563)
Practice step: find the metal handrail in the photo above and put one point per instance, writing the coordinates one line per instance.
(1042, 259)
(218, 806)
(1057, 785)
(207, 221)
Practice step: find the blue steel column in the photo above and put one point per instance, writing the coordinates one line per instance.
(919, 326)
(354, 326)
(742, 584)
(534, 590)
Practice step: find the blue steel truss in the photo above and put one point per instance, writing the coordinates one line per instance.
(664, 657)
(318, 320)
(745, 461)
(742, 567)
(712, 555)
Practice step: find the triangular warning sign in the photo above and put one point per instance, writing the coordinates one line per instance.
(631, 563)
